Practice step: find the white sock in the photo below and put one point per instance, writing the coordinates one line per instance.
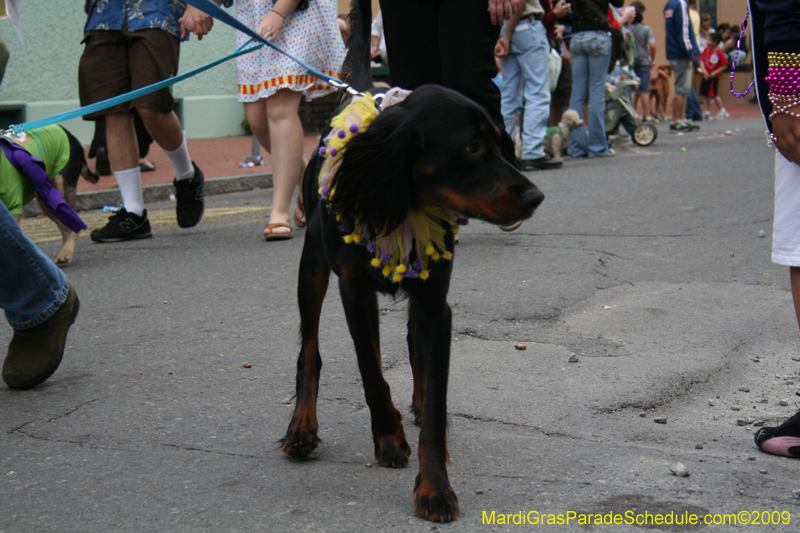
(130, 187)
(181, 162)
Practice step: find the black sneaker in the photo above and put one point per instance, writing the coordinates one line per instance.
(124, 226)
(542, 163)
(189, 194)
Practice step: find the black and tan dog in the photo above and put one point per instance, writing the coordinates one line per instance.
(435, 148)
(64, 181)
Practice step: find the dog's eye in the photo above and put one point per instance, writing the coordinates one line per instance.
(475, 146)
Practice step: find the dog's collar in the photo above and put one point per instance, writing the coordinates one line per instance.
(406, 251)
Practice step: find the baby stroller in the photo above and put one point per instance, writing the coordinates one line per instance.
(619, 110)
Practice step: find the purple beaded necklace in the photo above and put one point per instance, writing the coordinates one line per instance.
(736, 55)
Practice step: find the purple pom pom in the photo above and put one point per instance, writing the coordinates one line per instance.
(343, 227)
(462, 221)
(325, 191)
(333, 152)
(418, 265)
(386, 257)
(341, 134)
(371, 246)
(353, 128)
(322, 151)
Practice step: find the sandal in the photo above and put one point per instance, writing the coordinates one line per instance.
(782, 440)
(300, 220)
(272, 236)
(147, 166)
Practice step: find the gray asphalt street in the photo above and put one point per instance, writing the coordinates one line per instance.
(650, 270)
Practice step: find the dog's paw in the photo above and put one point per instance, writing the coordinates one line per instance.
(436, 505)
(392, 452)
(63, 260)
(417, 412)
(299, 444)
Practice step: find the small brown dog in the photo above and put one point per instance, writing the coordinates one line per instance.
(659, 92)
(557, 137)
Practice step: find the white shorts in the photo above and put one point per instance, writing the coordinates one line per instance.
(786, 228)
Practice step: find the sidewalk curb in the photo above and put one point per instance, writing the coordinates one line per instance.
(159, 193)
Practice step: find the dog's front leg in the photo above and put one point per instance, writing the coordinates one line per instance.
(312, 285)
(434, 497)
(68, 237)
(361, 310)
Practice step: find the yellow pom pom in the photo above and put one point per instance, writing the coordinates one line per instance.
(401, 269)
(424, 274)
(356, 238)
(447, 255)
(435, 256)
(376, 262)
(387, 270)
(320, 191)
(348, 239)
(397, 277)
(455, 230)
(430, 250)
(338, 218)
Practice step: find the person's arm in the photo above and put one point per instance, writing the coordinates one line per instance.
(686, 34)
(551, 12)
(198, 22)
(503, 46)
(500, 10)
(271, 25)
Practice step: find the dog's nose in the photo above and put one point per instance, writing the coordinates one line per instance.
(532, 197)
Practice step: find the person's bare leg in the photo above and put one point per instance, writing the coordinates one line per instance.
(123, 152)
(165, 128)
(286, 136)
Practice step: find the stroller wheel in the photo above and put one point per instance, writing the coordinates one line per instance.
(645, 134)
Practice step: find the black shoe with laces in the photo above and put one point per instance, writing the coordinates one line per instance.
(124, 226)
(542, 163)
(189, 194)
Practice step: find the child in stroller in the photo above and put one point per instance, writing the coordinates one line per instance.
(619, 107)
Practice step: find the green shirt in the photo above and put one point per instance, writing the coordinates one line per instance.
(51, 145)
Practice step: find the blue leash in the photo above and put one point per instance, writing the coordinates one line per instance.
(217, 12)
(91, 108)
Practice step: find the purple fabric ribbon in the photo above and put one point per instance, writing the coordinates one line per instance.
(34, 169)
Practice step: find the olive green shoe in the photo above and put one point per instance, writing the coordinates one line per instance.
(35, 353)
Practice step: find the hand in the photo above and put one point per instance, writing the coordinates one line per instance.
(626, 17)
(562, 9)
(502, 48)
(786, 130)
(195, 21)
(270, 26)
(560, 31)
(500, 10)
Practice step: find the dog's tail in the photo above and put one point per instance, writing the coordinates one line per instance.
(76, 148)
(356, 68)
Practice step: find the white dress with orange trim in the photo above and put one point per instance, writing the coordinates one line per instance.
(311, 35)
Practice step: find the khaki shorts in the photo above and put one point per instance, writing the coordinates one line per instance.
(117, 62)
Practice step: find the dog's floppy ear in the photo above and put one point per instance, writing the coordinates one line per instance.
(373, 184)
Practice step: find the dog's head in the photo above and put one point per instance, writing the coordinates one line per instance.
(571, 119)
(434, 148)
(665, 70)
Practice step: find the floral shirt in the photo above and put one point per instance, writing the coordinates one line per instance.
(140, 14)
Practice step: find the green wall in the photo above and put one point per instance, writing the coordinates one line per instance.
(42, 73)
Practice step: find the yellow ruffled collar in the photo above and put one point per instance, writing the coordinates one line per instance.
(406, 251)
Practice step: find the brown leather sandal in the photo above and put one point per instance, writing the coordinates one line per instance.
(272, 236)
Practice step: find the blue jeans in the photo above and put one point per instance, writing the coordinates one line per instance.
(525, 86)
(32, 287)
(591, 53)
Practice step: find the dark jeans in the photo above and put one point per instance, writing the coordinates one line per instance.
(445, 42)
